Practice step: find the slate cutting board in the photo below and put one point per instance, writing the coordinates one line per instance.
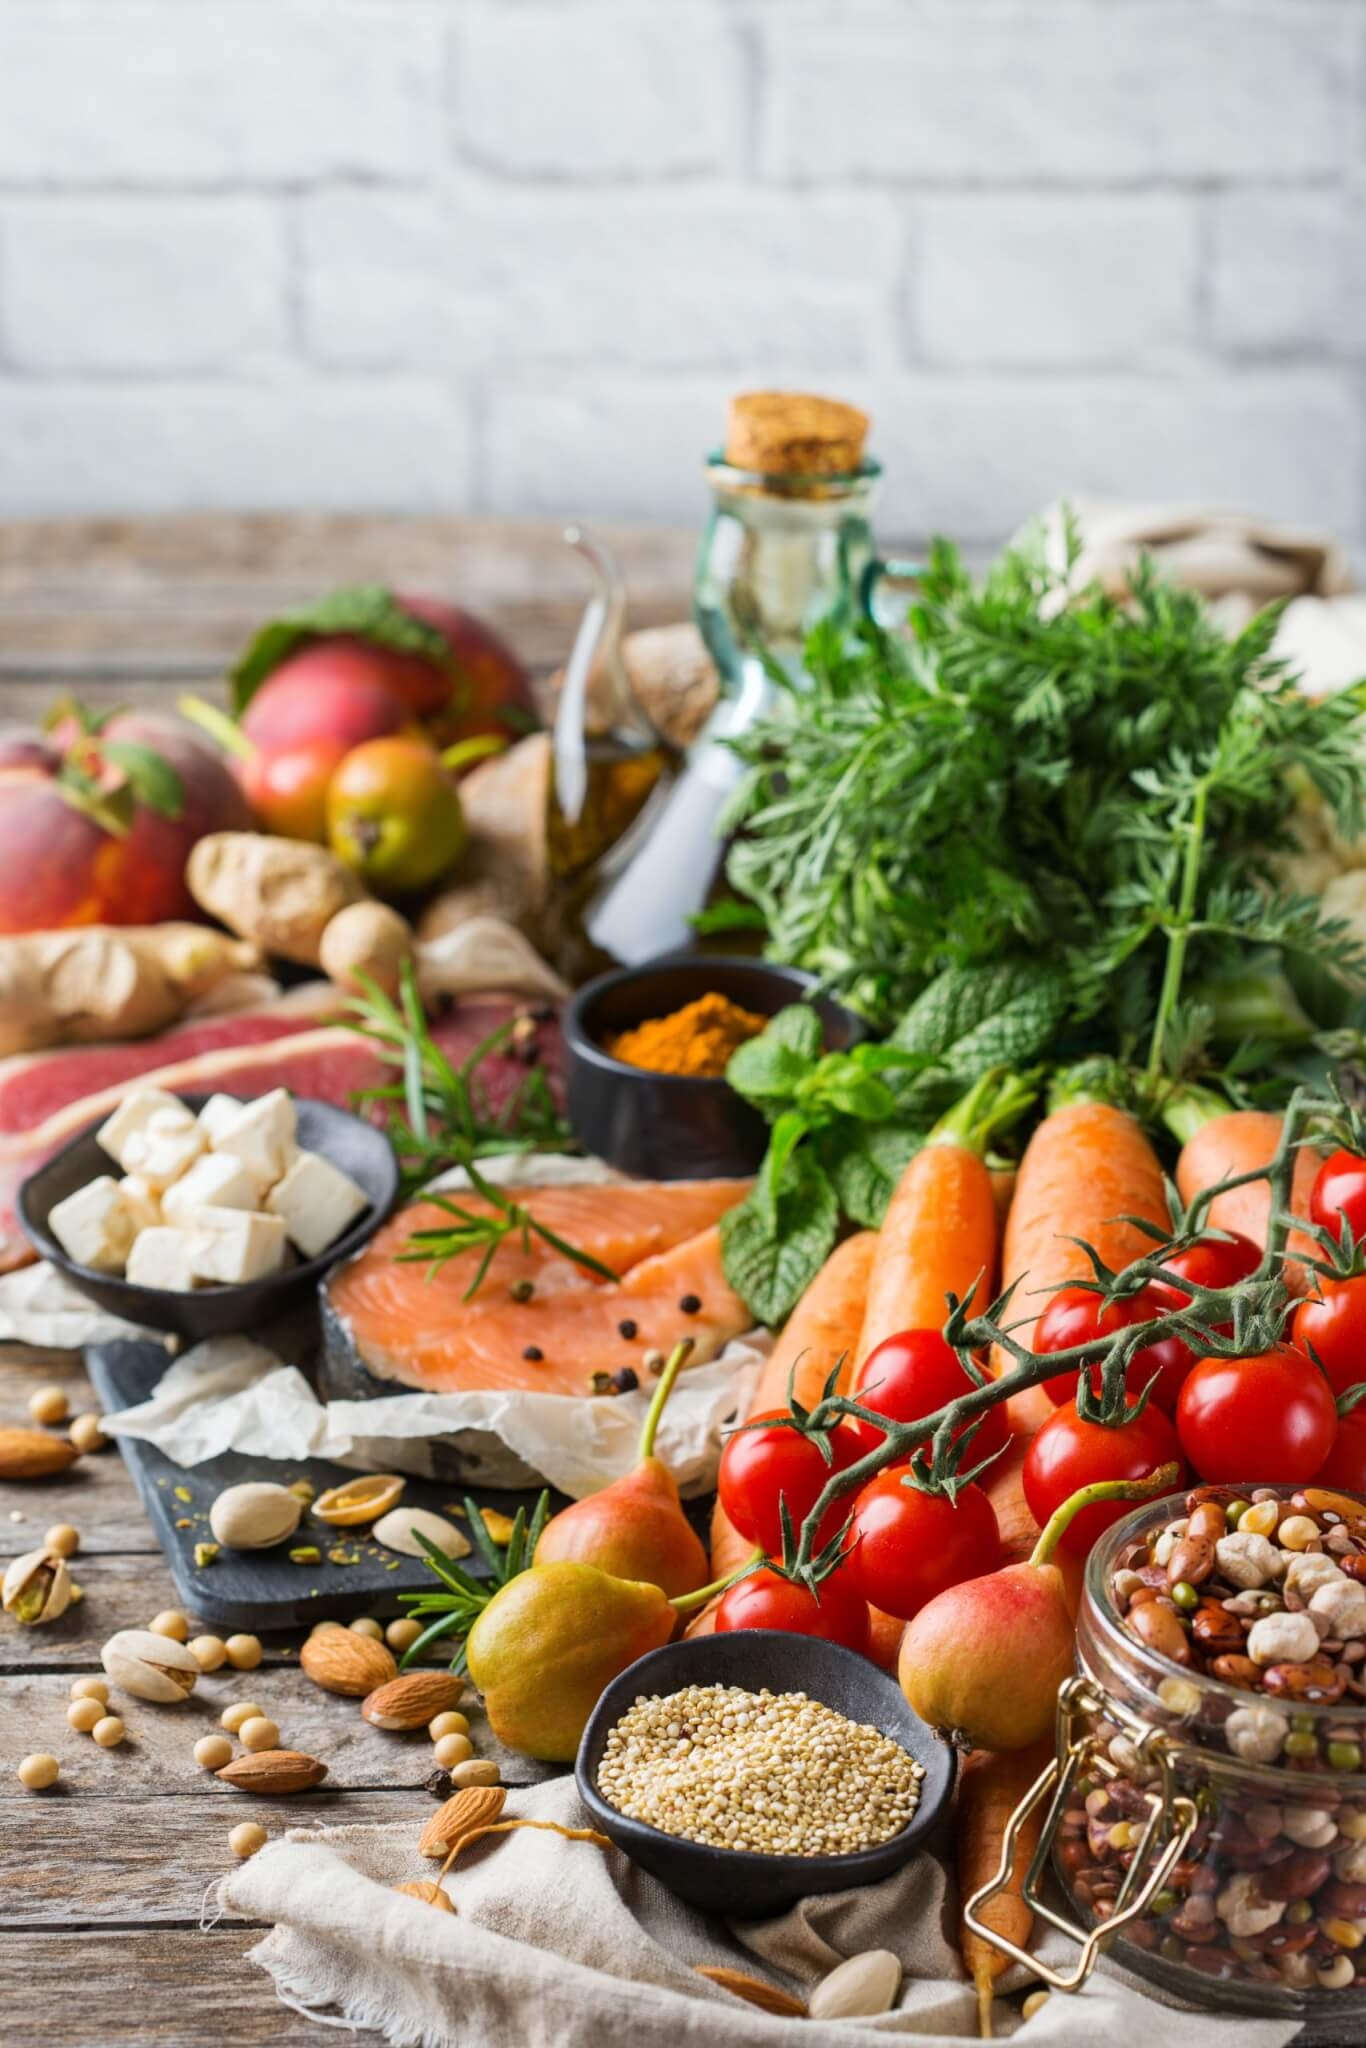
(261, 1590)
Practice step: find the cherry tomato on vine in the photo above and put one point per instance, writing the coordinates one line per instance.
(1330, 1325)
(1215, 1261)
(768, 1600)
(1069, 1453)
(760, 1467)
(911, 1375)
(1345, 1465)
(1074, 1316)
(1339, 1191)
(1269, 1420)
(912, 1545)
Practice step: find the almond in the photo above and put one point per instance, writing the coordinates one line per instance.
(339, 1660)
(32, 1454)
(430, 1894)
(270, 1772)
(411, 1702)
(766, 1996)
(473, 1808)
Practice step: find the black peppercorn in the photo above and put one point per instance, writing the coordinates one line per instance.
(690, 1304)
(533, 1354)
(626, 1329)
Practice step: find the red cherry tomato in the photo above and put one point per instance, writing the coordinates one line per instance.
(1267, 1421)
(1346, 1462)
(760, 1467)
(1069, 1453)
(1339, 1191)
(1073, 1316)
(911, 1375)
(912, 1545)
(767, 1600)
(1331, 1326)
(1216, 1261)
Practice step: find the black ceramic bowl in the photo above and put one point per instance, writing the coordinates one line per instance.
(737, 1882)
(676, 1126)
(348, 1141)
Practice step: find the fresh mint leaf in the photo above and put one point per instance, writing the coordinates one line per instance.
(784, 1139)
(366, 610)
(865, 1162)
(768, 1069)
(771, 1261)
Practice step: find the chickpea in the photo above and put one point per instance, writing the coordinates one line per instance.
(62, 1538)
(170, 1622)
(83, 1715)
(244, 1652)
(235, 1718)
(260, 1732)
(453, 1749)
(109, 1732)
(209, 1652)
(47, 1404)
(402, 1634)
(247, 1837)
(211, 1752)
(448, 1724)
(90, 1689)
(39, 1771)
(86, 1434)
(1297, 1532)
(368, 1626)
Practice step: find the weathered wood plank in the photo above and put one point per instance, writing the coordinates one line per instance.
(122, 1990)
(156, 1759)
(96, 1494)
(111, 1863)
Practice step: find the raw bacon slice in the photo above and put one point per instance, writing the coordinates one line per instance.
(327, 1062)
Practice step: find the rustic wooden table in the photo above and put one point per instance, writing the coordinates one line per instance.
(102, 1879)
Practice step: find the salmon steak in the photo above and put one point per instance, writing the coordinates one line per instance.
(539, 1322)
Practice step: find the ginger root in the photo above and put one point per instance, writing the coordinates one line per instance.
(366, 939)
(108, 981)
(281, 894)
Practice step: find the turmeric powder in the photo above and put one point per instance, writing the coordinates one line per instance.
(697, 1040)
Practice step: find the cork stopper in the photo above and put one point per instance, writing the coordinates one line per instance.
(794, 433)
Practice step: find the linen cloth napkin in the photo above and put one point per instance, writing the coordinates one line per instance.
(557, 1944)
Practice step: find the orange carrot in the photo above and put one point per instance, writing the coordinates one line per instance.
(990, 1787)
(822, 1329)
(1085, 1169)
(1240, 1142)
(938, 1238)
(1003, 1179)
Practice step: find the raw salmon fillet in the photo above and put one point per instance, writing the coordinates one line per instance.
(660, 1238)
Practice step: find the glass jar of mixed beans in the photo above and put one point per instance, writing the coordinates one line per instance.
(1208, 1810)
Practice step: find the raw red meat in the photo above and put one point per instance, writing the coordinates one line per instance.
(326, 1061)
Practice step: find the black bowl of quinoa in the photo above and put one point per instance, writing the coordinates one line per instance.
(755, 1884)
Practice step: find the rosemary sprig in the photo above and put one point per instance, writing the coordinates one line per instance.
(439, 1114)
(462, 1598)
(510, 1219)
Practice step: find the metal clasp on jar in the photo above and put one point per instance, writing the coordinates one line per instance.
(1165, 1837)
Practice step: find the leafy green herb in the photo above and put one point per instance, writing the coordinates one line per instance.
(366, 610)
(462, 1599)
(1043, 771)
(439, 1115)
(433, 1248)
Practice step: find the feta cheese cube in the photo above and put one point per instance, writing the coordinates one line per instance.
(162, 1150)
(94, 1226)
(218, 1111)
(134, 1115)
(317, 1201)
(142, 1202)
(215, 1181)
(261, 1135)
(231, 1246)
(161, 1258)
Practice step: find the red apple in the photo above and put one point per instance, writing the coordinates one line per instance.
(77, 848)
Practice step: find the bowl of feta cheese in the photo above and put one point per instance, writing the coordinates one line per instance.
(205, 1215)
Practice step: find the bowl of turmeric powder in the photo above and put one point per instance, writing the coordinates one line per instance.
(647, 1050)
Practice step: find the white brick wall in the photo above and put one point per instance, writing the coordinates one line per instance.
(514, 254)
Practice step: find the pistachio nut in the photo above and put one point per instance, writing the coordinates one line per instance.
(398, 1531)
(149, 1666)
(37, 1587)
(255, 1515)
